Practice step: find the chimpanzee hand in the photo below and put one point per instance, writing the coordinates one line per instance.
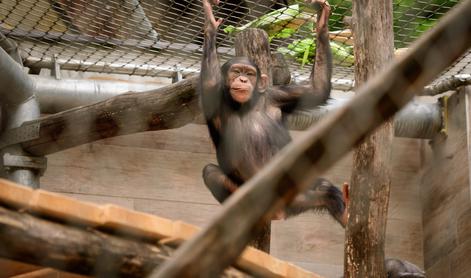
(211, 24)
(323, 16)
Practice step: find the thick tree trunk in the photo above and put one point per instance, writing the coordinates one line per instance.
(370, 184)
(253, 43)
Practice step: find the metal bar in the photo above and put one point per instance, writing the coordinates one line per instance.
(16, 116)
(18, 106)
(293, 169)
(11, 48)
(16, 87)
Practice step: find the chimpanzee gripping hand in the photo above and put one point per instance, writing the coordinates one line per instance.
(211, 24)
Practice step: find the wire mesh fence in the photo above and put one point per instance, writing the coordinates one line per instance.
(158, 38)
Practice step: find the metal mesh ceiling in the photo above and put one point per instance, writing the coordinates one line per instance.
(159, 37)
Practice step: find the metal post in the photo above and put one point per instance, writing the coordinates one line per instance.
(18, 106)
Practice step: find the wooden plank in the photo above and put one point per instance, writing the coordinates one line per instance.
(11, 268)
(136, 223)
(439, 269)
(69, 209)
(192, 138)
(464, 226)
(191, 213)
(48, 273)
(325, 270)
(460, 266)
(121, 220)
(152, 174)
(41, 273)
(17, 196)
(98, 199)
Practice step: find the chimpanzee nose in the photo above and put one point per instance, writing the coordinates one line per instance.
(243, 79)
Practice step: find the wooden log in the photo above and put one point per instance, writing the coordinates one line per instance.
(164, 108)
(254, 44)
(293, 169)
(131, 224)
(448, 84)
(371, 173)
(89, 252)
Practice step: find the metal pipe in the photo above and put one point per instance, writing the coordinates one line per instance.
(18, 106)
(416, 120)
(17, 115)
(16, 87)
(59, 95)
(10, 47)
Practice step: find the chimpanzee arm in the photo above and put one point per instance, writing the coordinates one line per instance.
(210, 76)
(292, 97)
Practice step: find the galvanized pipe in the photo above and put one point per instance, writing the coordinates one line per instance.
(16, 86)
(416, 120)
(11, 47)
(18, 106)
(59, 95)
(16, 115)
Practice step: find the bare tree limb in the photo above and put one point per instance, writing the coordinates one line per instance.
(448, 84)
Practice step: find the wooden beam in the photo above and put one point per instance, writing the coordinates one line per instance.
(131, 224)
(294, 168)
(164, 108)
(371, 174)
(29, 239)
(254, 44)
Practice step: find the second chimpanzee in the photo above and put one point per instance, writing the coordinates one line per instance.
(245, 116)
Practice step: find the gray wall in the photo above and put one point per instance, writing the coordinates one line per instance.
(446, 198)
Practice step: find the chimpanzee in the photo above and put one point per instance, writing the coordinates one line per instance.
(245, 117)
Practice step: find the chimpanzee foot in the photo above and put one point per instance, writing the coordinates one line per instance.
(218, 183)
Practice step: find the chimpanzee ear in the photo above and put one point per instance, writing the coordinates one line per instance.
(263, 83)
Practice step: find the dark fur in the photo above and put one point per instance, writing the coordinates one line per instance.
(248, 135)
(396, 268)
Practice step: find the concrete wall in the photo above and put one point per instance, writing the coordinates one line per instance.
(446, 197)
(160, 173)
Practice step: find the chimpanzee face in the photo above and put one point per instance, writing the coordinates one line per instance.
(242, 79)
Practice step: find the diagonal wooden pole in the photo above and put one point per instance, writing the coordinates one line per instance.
(292, 170)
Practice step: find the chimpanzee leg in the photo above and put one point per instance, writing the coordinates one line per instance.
(321, 195)
(218, 183)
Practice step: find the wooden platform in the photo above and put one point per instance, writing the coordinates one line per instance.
(115, 218)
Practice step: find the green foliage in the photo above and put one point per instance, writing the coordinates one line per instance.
(281, 23)
(411, 19)
(303, 51)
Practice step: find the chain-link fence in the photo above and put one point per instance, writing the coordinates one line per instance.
(160, 37)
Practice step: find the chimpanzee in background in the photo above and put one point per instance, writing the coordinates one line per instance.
(245, 116)
(395, 268)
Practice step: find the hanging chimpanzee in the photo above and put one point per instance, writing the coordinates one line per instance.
(245, 117)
